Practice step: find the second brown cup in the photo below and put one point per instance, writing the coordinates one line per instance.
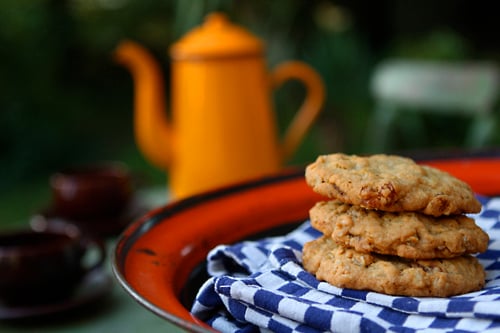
(91, 191)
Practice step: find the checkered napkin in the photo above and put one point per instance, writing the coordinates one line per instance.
(261, 286)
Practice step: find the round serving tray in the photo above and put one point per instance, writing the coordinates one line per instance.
(159, 259)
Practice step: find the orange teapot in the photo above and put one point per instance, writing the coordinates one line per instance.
(222, 128)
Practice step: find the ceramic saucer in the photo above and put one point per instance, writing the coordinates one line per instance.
(93, 286)
(100, 226)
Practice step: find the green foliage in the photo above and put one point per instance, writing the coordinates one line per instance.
(64, 101)
(442, 44)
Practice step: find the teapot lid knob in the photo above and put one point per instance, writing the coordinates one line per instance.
(216, 38)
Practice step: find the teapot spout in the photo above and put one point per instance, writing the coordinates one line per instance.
(151, 127)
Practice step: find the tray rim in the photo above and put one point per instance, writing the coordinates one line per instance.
(142, 225)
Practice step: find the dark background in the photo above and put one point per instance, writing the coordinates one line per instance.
(63, 101)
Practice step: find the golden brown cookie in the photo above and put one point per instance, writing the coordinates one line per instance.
(346, 268)
(408, 235)
(390, 183)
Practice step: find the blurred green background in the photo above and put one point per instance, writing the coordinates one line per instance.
(63, 101)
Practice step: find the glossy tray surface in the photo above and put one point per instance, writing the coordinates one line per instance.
(159, 258)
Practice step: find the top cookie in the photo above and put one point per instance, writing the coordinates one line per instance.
(390, 183)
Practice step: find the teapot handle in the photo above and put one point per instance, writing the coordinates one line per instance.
(310, 108)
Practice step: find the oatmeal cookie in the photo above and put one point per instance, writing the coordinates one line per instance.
(405, 234)
(346, 268)
(390, 183)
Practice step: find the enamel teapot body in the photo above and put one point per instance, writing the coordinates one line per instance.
(223, 128)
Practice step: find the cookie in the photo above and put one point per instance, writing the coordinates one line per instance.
(408, 235)
(346, 268)
(390, 183)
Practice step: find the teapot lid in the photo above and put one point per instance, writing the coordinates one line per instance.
(216, 38)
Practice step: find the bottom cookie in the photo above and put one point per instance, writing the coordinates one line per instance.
(346, 268)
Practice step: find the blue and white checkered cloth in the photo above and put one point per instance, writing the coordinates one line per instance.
(260, 286)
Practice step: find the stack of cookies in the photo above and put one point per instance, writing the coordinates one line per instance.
(392, 226)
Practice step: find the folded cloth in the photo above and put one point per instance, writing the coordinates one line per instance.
(260, 286)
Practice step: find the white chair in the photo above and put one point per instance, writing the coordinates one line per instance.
(467, 88)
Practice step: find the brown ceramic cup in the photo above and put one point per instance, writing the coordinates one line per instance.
(91, 191)
(44, 267)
